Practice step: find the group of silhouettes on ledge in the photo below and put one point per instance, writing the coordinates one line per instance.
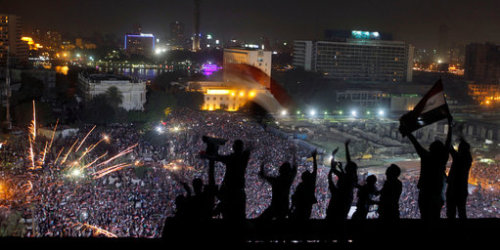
(201, 205)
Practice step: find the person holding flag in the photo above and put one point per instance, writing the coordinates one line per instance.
(430, 109)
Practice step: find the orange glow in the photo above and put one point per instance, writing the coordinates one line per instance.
(217, 91)
(62, 70)
(252, 94)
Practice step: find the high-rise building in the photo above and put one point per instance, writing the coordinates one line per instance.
(197, 34)
(302, 54)
(177, 33)
(260, 59)
(140, 44)
(10, 40)
(482, 63)
(362, 57)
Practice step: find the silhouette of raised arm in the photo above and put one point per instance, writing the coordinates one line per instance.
(331, 185)
(447, 144)
(347, 154)
(420, 150)
(211, 174)
(315, 165)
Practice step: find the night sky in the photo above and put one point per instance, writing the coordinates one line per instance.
(415, 21)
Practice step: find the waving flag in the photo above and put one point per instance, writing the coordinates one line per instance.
(430, 109)
(275, 97)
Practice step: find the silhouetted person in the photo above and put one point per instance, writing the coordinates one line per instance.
(388, 206)
(204, 196)
(342, 192)
(432, 174)
(183, 207)
(181, 212)
(232, 191)
(365, 198)
(280, 191)
(458, 179)
(304, 197)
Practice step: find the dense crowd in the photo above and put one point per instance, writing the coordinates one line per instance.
(131, 203)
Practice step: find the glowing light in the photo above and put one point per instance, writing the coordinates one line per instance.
(354, 113)
(106, 138)
(242, 93)
(218, 92)
(284, 112)
(209, 68)
(252, 94)
(368, 112)
(159, 129)
(341, 112)
(312, 112)
(381, 112)
(76, 172)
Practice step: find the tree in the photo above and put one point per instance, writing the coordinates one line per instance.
(99, 110)
(114, 96)
(157, 102)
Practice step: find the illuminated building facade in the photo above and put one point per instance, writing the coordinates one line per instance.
(10, 40)
(482, 63)
(140, 44)
(360, 58)
(487, 95)
(221, 96)
(133, 90)
(254, 57)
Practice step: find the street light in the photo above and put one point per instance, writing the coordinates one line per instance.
(354, 113)
(312, 112)
(283, 112)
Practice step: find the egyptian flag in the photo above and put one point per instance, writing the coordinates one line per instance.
(430, 109)
(248, 76)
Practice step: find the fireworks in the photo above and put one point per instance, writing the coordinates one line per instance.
(12, 192)
(73, 160)
(96, 230)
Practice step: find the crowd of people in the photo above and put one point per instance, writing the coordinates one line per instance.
(136, 200)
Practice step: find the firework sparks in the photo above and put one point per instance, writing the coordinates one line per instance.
(44, 153)
(97, 230)
(69, 151)
(53, 135)
(32, 153)
(124, 152)
(59, 154)
(85, 138)
(98, 158)
(103, 172)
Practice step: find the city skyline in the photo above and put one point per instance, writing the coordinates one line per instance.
(416, 22)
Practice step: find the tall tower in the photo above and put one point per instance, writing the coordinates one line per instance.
(196, 38)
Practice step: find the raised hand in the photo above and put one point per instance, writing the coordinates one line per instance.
(334, 152)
